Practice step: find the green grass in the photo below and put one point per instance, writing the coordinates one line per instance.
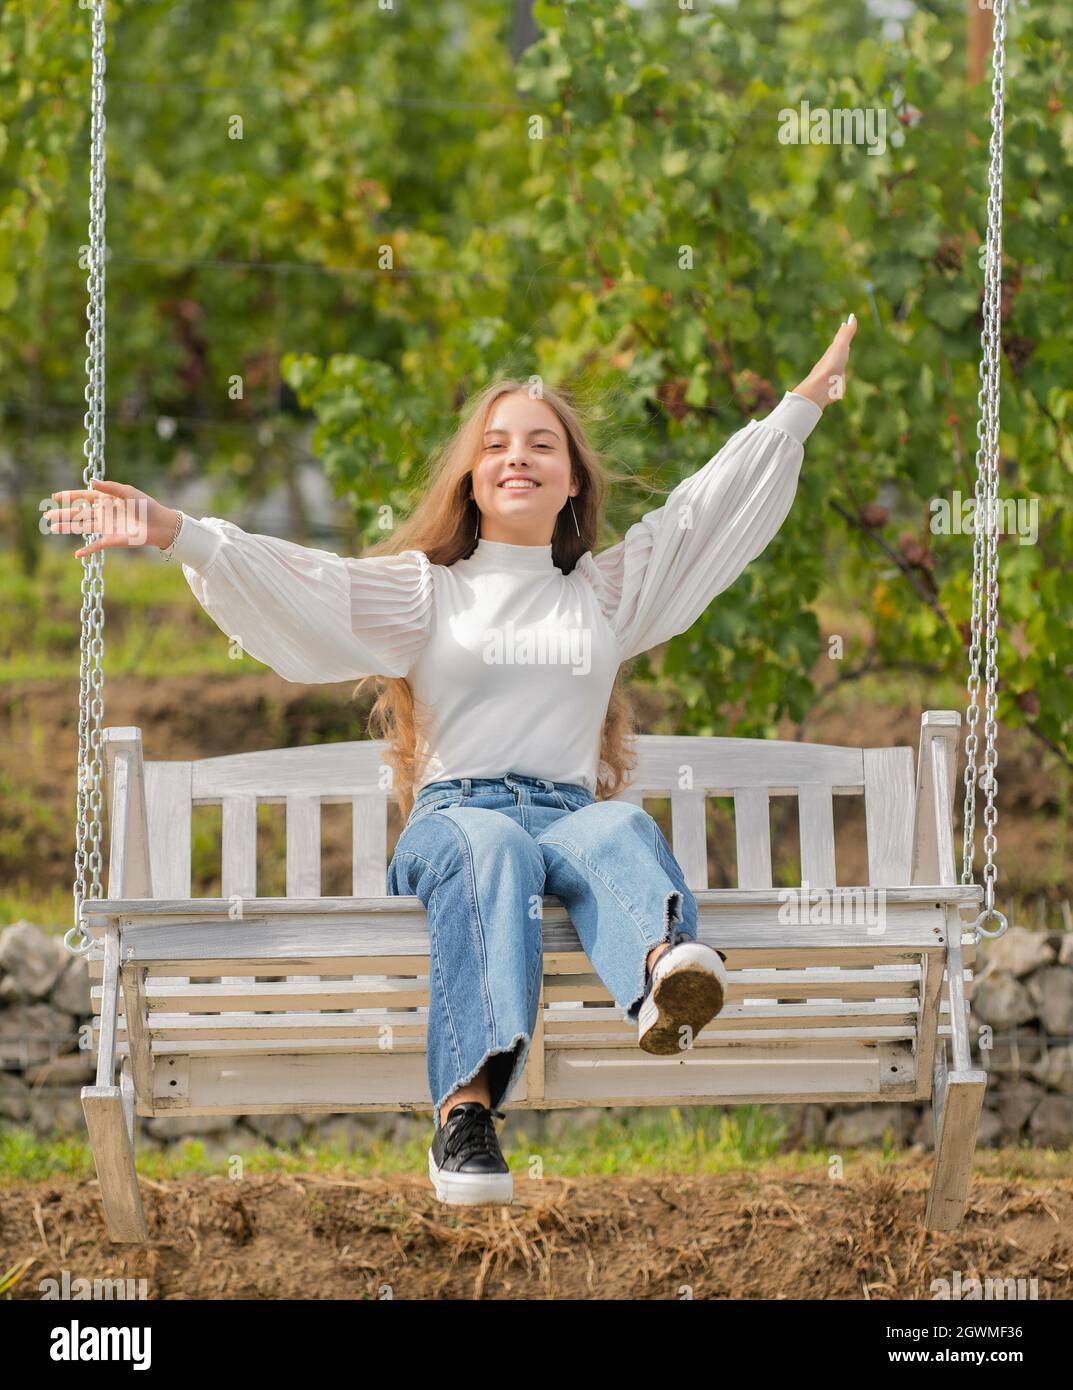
(646, 1142)
(52, 910)
(153, 624)
(706, 1139)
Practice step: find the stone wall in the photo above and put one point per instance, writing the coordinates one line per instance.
(1022, 998)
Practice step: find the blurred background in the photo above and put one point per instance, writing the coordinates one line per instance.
(327, 224)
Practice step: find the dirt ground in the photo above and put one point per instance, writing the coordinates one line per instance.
(751, 1235)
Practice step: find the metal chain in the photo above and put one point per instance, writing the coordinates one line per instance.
(88, 818)
(985, 517)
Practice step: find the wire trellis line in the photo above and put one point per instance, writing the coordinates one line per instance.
(373, 272)
(670, 112)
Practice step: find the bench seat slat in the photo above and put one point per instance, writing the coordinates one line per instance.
(710, 1037)
(360, 1022)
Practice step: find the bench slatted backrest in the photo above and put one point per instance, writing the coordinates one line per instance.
(303, 780)
(689, 770)
(684, 769)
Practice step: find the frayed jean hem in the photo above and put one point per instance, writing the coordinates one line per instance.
(512, 1080)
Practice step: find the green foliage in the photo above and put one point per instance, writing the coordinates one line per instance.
(409, 213)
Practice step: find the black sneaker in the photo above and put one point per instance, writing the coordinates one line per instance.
(465, 1162)
(685, 988)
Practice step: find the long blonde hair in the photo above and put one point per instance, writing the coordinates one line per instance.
(443, 526)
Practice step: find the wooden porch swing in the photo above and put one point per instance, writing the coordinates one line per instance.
(244, 1005)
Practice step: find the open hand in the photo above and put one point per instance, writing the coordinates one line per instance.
(120, 513)
(827, 380)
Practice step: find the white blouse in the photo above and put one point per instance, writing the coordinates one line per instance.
(510, 660)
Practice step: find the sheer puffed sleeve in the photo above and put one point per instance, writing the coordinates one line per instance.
(657, 582)
(309, 614)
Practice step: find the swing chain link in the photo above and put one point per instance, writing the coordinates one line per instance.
(985, 513)
(88, 818)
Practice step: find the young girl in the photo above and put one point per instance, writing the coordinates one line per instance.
(497, 637)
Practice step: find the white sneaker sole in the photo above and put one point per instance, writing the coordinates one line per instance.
(470, 1189)
(686, 993)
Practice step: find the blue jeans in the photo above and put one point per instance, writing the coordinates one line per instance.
(480, 853)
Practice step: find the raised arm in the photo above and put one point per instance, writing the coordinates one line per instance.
(658, 580)
(309, 614)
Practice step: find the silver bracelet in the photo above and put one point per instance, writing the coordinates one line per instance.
(167, 554)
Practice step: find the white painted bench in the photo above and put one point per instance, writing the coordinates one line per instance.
(828, 1010)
